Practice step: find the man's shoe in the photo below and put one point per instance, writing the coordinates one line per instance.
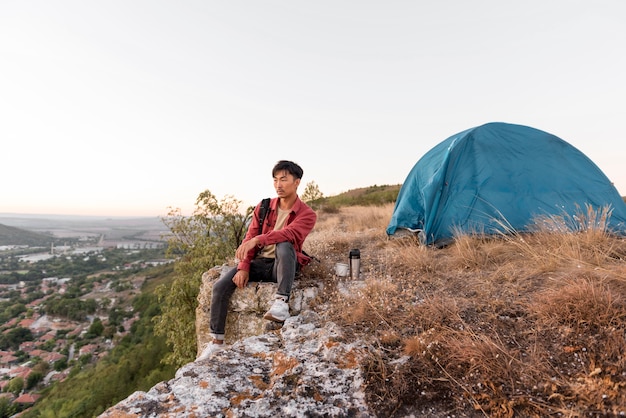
(278, 312)
(210, 348)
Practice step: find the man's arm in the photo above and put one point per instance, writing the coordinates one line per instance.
(245, 256)
(246, 247)
(241, 278)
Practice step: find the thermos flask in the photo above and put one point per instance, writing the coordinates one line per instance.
(355, 263)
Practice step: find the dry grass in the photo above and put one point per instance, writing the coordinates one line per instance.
(520, 324)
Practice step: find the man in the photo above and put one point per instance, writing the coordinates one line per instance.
(274, 255)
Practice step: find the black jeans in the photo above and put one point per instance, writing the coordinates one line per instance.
(281, 270)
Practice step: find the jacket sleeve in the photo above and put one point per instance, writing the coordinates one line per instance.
(253, 231)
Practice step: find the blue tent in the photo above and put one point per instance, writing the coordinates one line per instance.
(498, 177)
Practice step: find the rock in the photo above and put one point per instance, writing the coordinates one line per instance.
(247, 306)
(303, 370)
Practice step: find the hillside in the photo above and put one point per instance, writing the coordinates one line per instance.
(516, 325)
(364, 196)
(528, 325)
(124, 356)
(10, 235)
(524, 326)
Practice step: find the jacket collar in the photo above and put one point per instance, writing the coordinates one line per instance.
(297, 205)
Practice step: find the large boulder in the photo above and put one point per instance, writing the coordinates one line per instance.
(247, 306)
(305, 369)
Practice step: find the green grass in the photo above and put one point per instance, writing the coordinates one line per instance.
(365, 196)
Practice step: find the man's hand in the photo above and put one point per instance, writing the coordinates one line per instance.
(245, 247)
(241, 278)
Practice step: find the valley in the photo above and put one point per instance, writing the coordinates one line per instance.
(67, 286)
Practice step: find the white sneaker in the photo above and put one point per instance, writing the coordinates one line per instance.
(208, 351)
(278, 312)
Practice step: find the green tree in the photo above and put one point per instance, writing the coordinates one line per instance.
(60, 364)
(14, 337)
(7, 409)
(33, 379)
(70, 306)
(15, 385)
(198, 242)
(96, 328)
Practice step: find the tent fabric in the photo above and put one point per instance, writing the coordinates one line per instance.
(499, 177)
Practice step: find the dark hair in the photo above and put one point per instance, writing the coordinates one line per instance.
(288, 166)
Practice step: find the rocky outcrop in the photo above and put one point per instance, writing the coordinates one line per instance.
(305, 369)
(247, 306)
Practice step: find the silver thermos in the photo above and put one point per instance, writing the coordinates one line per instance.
(355, 263)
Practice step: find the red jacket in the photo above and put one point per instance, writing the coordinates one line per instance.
(299, 224)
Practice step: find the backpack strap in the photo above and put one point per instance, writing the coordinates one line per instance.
(265, 205)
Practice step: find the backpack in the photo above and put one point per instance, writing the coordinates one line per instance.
(265, 205)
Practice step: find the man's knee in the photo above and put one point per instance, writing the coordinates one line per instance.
(223, 284)
(285, 249)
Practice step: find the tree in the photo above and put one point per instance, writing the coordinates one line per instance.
(96, 328)
(311, 192)
(33, 379)
(15, 385)
(198, 242)
(60, 364)
(14, 337)
(6, 408)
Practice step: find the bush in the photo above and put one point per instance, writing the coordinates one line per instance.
(199, 242)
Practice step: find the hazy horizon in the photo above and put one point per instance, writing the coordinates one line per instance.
(60, 215)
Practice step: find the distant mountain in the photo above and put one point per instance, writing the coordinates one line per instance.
(10, 235)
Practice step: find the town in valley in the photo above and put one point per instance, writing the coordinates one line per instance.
(66, 290)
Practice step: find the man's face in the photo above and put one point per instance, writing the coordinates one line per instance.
(285, 184)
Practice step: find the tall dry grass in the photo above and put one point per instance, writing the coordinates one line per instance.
(519, 324)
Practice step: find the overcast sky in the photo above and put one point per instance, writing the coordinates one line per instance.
(131, 107)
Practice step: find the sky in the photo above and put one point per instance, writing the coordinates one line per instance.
(131, 108)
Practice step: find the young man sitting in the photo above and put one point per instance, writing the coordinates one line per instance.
(274, 255)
